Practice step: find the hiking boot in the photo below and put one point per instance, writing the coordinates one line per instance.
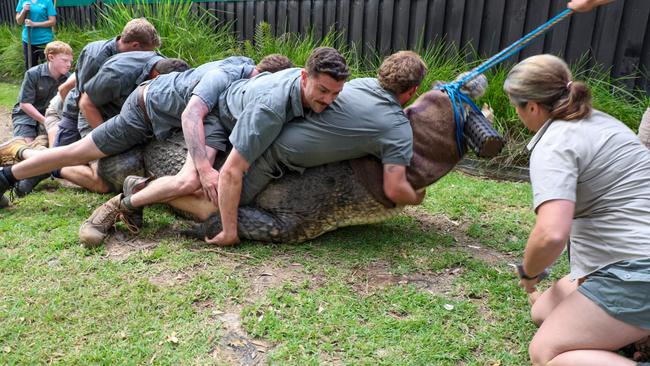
(26, 186)
(4, 183)
(9, 150)
(95, 229)
(4, 201)
(132, 185)
(40, 142)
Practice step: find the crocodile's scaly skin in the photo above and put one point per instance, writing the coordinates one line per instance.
(293, 209)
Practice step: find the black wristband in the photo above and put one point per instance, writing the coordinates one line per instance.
(522, 273)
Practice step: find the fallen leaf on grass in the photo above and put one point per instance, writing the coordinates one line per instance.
(172, 338)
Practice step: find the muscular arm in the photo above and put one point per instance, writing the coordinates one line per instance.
(397, 188)
(194, 134)
(65, 88)
(586, 5)
(230, 185)
(32, 112)
(90, 111)
(548, 238)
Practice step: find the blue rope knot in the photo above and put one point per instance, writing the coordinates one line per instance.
(458, 98)
(458, 102)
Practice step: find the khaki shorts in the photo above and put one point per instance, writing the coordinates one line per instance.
(622, 289)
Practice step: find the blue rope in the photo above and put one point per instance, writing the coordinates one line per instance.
(458, 98)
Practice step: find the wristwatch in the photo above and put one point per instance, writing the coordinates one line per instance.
(522, 274)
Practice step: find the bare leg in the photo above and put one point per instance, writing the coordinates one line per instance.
(196, 204)
(80, 152)
(51, 135)
(86, 176)
(578, 332)
(168, 188)
(28, 153)
(551, 298)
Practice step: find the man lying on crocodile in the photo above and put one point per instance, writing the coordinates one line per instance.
(366, 119)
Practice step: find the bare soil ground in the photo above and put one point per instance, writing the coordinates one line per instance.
(5, 124)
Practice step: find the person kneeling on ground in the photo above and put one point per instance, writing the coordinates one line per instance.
(589, 175)
(40, 85)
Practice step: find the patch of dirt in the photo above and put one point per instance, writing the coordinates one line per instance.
(6, 129)
(119, 246)
(274, 275)
(457, 230)
(235, 346)
(175, 278)
(377, 276)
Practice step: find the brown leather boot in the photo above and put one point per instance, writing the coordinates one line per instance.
(96, 228)
(9, 150)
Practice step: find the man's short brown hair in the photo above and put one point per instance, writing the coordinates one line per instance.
(165, 66)
(140, 30)
(327, 60)
(57, 47)
(401, 71)
(274, 63)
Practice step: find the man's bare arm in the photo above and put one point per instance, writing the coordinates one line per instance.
(398, 189)
(31, 111)
(194, 134)
(67, 85)
(90, 111)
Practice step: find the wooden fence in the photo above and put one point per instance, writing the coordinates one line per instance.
(615, 36)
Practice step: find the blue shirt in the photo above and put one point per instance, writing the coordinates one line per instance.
(39, 11)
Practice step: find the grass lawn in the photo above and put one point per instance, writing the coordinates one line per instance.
(8, 94)
(431, 286)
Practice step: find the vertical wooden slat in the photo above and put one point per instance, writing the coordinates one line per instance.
(370, 31)
(556, 39)
(644, 82)
(356, 24)
(401, 24)
(580, 35)
(282, 25)
(304, 23)
(608, 22)
(417, 29)
(472, 24)
(513, 26)
(293, 15)
(231, 15)
(329, 16)
(436, 21)
(537, 14)
(630, 44)
(240, 19)
(317, 19)
(248, 15)
(491, 27)
(386, 26)
(260, 11)
(271, 14)
(343, 16)
(220, 13)
(454, 21)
